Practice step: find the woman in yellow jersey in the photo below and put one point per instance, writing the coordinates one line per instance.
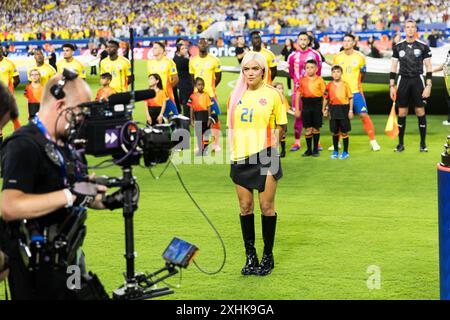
(255, 110)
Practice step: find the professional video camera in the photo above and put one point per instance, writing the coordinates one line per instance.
(108, 129)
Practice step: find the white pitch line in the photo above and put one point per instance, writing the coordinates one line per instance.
(232, 84)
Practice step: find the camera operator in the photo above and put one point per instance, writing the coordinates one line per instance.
(8, 111)
(42, 187)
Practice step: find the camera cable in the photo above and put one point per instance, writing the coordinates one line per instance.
(209, 222)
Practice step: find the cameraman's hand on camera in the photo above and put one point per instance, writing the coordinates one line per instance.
(116, 200)
(160, 119)
(149, 121)
(83, 194)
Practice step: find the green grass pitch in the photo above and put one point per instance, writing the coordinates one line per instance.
(336, 218)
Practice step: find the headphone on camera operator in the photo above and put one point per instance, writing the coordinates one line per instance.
(46, 190)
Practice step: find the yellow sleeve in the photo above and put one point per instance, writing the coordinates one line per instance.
(14, 70)
(148, 67)
(58, 67)
(102, 68)
(173, 68)
(279, 111)
(191, 67)
(335, 60)
(217, 66)
(273, 62)
(82, 72)
(128, 68)
(51, 70)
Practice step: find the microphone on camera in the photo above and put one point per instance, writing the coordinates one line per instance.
(125, 97)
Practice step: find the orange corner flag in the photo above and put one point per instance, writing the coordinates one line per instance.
(391, 129)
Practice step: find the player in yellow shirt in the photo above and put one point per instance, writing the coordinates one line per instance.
(69, 62)
(119, 67)
(207, 67)
(167, 70)
(9, 76)
(353, 64)
(46, 71)
(256, 40)
(255, 110)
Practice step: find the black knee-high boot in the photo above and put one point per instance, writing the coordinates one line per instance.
(269, 224)
(248, 234)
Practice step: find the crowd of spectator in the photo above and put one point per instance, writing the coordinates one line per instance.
(24, 20)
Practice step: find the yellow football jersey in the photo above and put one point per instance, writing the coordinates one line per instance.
(73, 65)
(8, 71)
(253, 120)
(120, 69)
(206, 68)
(270, 57)
(352, 65)
(46, 71)
(165, 68)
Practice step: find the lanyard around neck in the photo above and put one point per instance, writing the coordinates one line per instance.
(62, 162)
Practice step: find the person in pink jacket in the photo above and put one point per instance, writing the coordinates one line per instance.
(297, 61)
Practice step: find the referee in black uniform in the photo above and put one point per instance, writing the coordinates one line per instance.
(412, 89)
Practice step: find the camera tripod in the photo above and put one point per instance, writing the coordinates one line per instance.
(137, 286)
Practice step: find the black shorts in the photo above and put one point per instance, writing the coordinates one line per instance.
(202, 116)
(409, 92)
(340, 125)
(33, 108)
(312, 113)
(154, 112)
(251, 173)
(339, 121)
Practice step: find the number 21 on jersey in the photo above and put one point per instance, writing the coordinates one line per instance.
(247, 115)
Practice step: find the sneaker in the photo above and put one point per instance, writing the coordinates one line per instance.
(331, 148)
(423, 148)
(446, 123)
(335, 155)
(344, 155)
(399, 148)
(307, 153)
(316, 153)
(319, 147)
(375, 145)
(295, 147)
(283, 153)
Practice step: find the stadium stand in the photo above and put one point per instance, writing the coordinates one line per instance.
(78, 19)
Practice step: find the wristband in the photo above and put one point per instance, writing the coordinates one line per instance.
(392, 75)
(429, 75)
(69, 198)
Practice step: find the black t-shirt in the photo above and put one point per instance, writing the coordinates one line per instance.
(411, 56)
(182, 63)
(287, 52)
(26, 167)
(52, 60)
